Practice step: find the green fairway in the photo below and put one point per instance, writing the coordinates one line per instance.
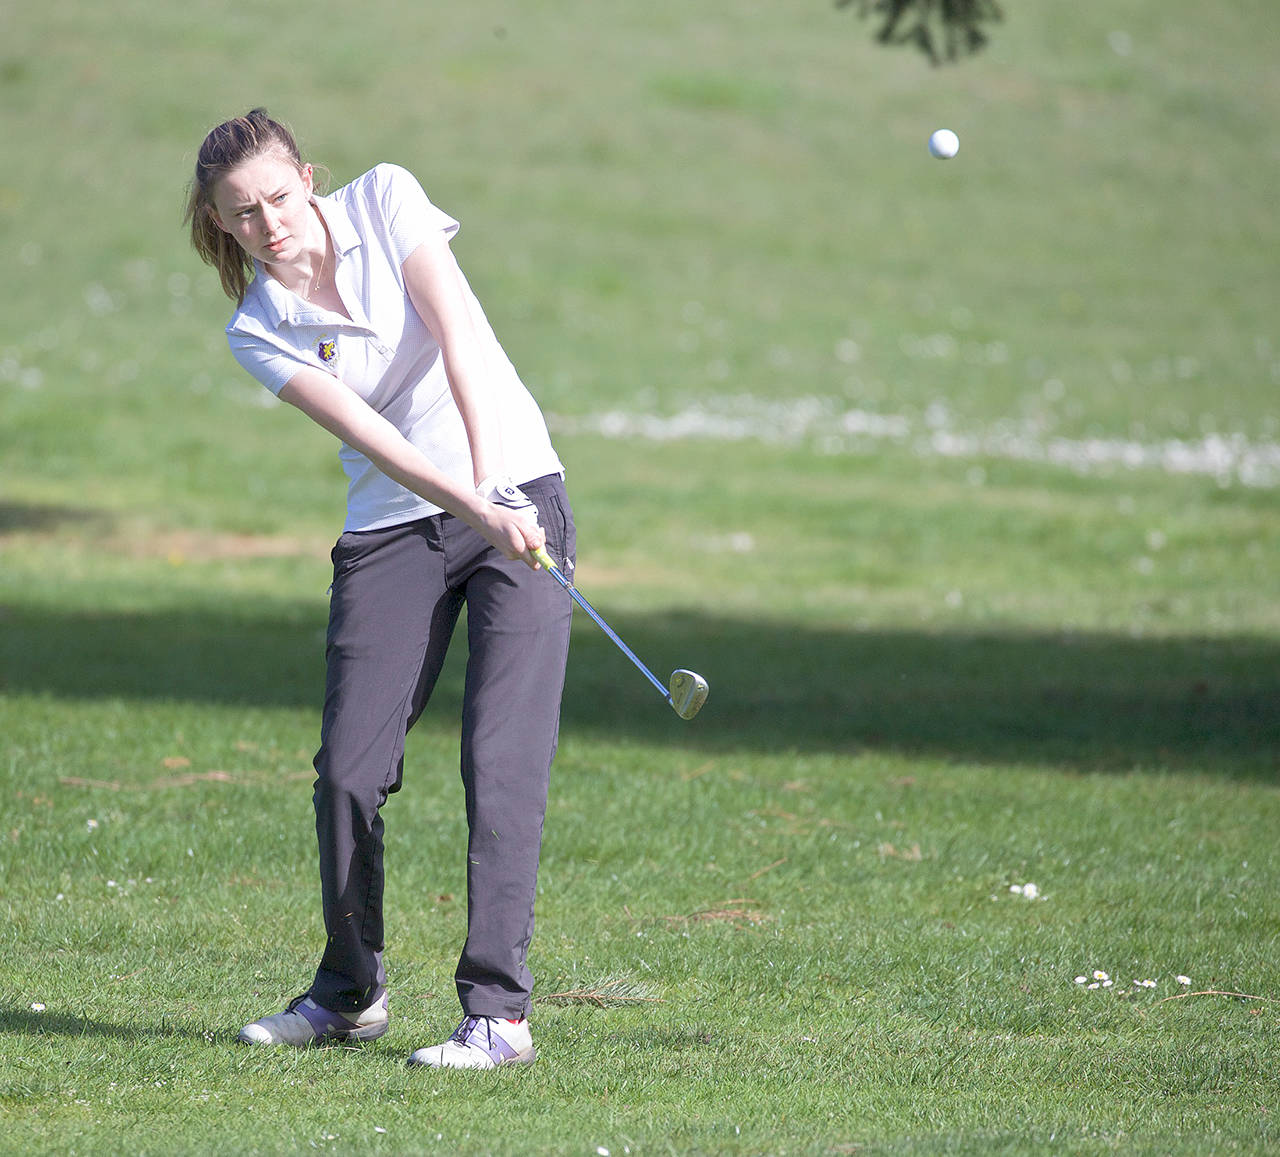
(959, 481)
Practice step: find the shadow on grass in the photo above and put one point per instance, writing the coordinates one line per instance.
(1076, 701)
(22, 516)
(1088, 702)
(31, 1023)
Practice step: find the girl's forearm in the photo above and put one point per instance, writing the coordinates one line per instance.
(333, 406)
(437, 291)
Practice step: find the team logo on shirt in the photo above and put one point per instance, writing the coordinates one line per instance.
(327, 350)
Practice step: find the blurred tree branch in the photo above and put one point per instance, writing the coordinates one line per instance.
(941, 29)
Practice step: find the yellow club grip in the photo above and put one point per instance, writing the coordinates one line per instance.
(544, 559)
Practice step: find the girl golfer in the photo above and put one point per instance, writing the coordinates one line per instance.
(352, 308)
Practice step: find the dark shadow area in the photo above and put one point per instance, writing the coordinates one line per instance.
(189, 655)
(32, 1023)
(18, 517)
(1086, 702)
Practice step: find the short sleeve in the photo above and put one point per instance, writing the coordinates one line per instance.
(409, 215)
(269, 364)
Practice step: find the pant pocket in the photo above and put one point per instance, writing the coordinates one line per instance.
(556, 515)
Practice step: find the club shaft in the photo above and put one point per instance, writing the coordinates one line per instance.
(555, 572)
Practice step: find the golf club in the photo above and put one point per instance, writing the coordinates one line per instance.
(687, 690)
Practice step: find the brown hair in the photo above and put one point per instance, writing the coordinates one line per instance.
(228, 146)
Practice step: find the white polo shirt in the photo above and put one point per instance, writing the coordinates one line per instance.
(384, 352)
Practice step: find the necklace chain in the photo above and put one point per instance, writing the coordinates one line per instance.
(315, 285)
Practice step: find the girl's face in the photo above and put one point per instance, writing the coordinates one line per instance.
(265, 204)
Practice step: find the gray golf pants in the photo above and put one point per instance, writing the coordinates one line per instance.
(397, 594)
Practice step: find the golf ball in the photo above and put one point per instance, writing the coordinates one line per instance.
(944, 144)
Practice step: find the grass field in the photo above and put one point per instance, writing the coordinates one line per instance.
(960, 482)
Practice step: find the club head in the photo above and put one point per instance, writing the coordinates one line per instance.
(688, 693)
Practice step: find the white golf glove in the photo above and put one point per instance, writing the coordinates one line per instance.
(500, 490)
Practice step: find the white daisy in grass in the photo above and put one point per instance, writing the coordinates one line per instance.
(1100, 978)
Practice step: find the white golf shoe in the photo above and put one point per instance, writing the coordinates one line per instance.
(305, 1023)
(481, 1042)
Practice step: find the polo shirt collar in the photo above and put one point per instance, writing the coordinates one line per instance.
(341, 228)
